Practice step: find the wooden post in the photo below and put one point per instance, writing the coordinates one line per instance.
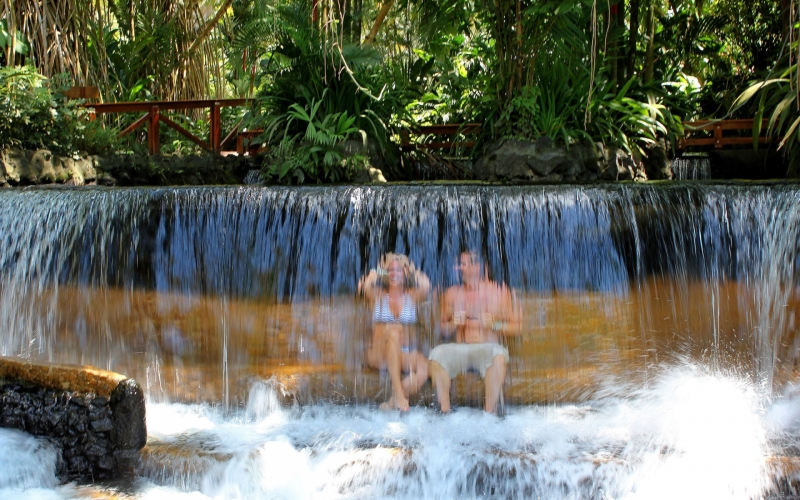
(717, 136)
(405, 139)
(153, 140)
(215, 127)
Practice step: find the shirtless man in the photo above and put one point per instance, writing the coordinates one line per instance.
(479, 312)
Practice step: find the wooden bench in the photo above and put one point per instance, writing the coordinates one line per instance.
(82, 93)
(244, 141)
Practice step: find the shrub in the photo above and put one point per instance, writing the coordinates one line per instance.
(38, 115)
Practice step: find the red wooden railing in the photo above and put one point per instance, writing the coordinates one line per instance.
(153, 116)
(453, 136)
(718, 138)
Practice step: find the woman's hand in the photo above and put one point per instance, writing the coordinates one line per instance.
(368, 282)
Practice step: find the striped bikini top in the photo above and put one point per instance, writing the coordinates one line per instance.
(383, 314)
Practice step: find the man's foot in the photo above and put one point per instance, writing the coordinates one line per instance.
(395, 404)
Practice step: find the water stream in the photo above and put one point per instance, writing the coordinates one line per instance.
(658, 358)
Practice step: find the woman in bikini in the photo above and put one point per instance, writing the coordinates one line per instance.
(395, 288)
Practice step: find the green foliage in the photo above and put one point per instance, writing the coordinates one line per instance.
(20, 46)
(305, 65)
(39, 116)
(777, 100)
(317, 153)
(563, 107)
(630, 117)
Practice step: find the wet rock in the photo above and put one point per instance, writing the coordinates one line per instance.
(587, 156)
(127, 406)
(102, 425)
(517, 160)
(619, 166)
(81, 424)
(100, 401)
(79, 401)
(41, 168)
(96, 451)
(375, 175)
(16, 165)
(107, 463)
(506, 159)
(656, 162)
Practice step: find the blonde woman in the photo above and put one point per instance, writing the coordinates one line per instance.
(395, 289)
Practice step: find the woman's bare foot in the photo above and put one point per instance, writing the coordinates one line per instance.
(395, 404)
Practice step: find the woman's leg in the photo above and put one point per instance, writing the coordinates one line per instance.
(394, 366)
(375, 354)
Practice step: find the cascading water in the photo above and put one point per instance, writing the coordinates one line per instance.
(658, 357)
(691, 167)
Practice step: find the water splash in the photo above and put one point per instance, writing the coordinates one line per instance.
(696, 433)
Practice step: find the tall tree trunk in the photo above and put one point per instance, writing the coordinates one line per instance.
(649, 57)
(208, 27)
(11, 24)
(357, 21)
(613, 33)
(621, 66)
(786, 17)
(347, 20)
(132, 16)
(376, 26)
(633, 37)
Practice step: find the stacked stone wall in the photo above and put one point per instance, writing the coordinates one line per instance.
(95, 417)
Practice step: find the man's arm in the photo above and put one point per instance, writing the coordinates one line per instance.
(447, 324)
(507, 320)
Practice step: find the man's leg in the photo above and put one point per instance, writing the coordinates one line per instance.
(417, 372)
(441, 384)
(493, 380)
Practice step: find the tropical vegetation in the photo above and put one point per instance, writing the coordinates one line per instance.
(332, 83)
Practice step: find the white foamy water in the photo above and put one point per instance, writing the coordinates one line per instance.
(691, 433)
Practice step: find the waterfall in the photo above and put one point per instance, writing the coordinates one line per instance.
(652, 315)
(691, 167)
(127, 278)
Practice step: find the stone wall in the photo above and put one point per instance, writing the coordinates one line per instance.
(96, 417)
(515, 160)
(26, 168)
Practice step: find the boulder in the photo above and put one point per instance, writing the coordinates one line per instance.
(375, 175)
(517, 160)
(367, 175)
(16, 164)
(619, 166)
(127, 423)
(506, 159)
(588, 157)
(41, 168)
(657, 164)
(553, 160)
